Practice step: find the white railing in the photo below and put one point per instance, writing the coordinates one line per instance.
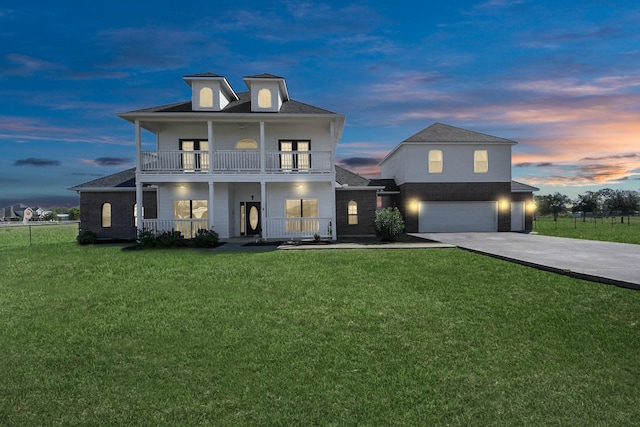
(298, 228)
(234, 161)
(187, 227)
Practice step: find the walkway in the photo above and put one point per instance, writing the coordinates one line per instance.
(604, 262)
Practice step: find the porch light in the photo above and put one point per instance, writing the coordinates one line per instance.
(504, 204)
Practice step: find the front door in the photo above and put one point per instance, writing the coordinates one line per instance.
(250, 218)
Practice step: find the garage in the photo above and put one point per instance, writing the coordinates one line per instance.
(517, 216)
(453, 217)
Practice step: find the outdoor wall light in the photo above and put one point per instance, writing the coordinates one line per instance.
(504, 204)
(414, 205)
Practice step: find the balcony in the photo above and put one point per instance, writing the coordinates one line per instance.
(235, 161)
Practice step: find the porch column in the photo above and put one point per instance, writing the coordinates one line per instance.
(262, 150)
(210, 206)
(334, 234)
(139, 209)
(263, 209)
(211, 142)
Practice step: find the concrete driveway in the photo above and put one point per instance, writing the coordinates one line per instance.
(605, 262)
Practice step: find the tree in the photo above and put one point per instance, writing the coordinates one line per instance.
(587, 202)
(389, 223)
(552, 204)
(622, 202)
(74, 214)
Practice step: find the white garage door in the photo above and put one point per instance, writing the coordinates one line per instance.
(452, 217)
(517, 216)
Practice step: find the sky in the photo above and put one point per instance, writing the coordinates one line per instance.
(562, 78)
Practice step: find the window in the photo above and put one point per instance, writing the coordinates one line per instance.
(190, 216)
(246, 144)
(206, 97)
(302, 215)
(435, 161)
(195, 156)
(106, 215)
(480, 161)
(352, 212)
(294, 155)
(264, 98)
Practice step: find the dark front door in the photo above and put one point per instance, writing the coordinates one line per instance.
(250, 218)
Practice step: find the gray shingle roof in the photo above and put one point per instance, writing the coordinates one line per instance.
(263, 76)
(519, 187)
(124, 179)
(242, 105)
(203, 75)
(389, 184)
(344, 176)
(439, 132)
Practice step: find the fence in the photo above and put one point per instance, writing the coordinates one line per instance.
(17, 234)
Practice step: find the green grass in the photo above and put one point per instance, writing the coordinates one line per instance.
(601, 229)
(98, 336)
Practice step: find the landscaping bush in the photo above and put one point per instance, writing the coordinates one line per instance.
(86, 237)
(389, 223)
(206, 239)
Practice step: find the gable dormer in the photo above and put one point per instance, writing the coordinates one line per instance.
(268, 92)
(210, 92)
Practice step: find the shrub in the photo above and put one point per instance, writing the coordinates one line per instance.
(86, 237)
(389, 223)
(170, 239)
(147, 239)
(206, 239)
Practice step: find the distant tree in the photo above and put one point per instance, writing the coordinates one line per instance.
(74, 214)
(553, 204)
(622, 202)
(50, 216)
(587, 202)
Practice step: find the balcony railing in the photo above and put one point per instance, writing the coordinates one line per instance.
(187, 227)
(297, 228)
(235, 161)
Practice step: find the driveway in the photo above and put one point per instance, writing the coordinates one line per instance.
(605, 262)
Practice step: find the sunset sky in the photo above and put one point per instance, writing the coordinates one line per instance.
(560, 77)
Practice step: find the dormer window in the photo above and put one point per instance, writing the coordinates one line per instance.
(264, 98)
(206, 97)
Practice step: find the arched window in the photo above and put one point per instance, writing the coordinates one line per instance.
(352, 212)
(246, 144)
(264, 98)
(106, 215)
(206, 97)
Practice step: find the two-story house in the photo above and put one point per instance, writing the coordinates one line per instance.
(447, 179)
(248, 163)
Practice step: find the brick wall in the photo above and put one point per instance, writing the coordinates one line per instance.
(367, 201)
(122, 221)
(453, 192)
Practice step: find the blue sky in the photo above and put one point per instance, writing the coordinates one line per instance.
(561, 78)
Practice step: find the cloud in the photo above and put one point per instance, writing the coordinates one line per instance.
(108, 161)
(535, 165)
(613, 157)
(360, 161)
(24, 65)
(31, 161)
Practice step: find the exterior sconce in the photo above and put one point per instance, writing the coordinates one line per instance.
(503, 204)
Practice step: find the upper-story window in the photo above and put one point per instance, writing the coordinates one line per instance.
(246, 144)
(435, 161)
(206, 97)
(264, 98)
(195, 154)
(294, 155)
(480, 161)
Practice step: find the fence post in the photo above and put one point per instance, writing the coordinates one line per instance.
(29, 234)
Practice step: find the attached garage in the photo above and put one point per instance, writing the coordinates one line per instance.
(453, 217)
(517, 216)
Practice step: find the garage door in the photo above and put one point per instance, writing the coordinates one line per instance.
(455, 217)
(517, 216)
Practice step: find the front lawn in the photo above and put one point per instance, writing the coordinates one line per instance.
(94, 335)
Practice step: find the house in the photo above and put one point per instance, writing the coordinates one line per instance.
(448, 179)
(241, 163)
(260, 163)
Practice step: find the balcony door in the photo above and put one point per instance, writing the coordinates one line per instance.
(250, 218)
(295, 156)
(195, 155)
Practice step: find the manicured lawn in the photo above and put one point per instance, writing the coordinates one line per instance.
(605, 229)
(98, 336)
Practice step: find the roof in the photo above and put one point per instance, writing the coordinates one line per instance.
(124, 179)
(241, 106)
(439, 132)
(389, 184)
(203, 75)
(263, 76)
(518, 187)
(346, 177)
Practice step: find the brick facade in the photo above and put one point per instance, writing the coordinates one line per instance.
(122, 220)
(367, 202)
